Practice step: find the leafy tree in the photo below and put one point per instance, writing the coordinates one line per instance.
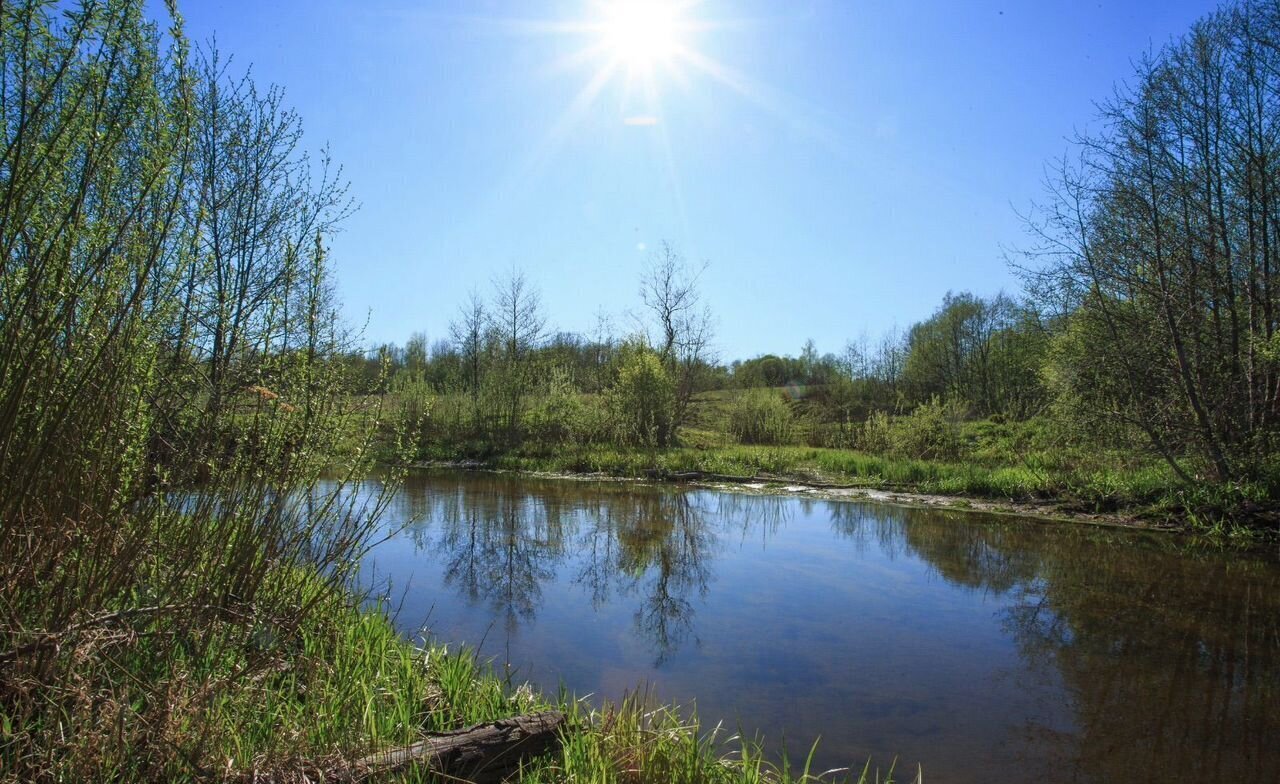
(643, 399)
(1161, 240)
(984, 353)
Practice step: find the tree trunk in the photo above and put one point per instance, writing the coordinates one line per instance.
(483, 753)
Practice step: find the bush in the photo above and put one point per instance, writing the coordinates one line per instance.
(556, 417)
(761, 417)
(415, 405)
(642, 401)
(167, 500)
(930, 432)
(876, 435)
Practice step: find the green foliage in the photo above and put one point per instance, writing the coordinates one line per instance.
(983, 351)
(642, 399)
(930, 432)
(418, 408)
(560, 415)
(169, 404)
(761, 417)
(1160, 242)
(1088, 387)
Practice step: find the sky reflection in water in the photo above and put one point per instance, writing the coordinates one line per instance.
(977, 646)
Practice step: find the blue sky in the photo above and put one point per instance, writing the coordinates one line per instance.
(840, 165)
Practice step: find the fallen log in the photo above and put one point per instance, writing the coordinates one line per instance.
(483, 754)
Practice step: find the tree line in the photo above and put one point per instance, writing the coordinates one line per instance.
(523, 384)
(1158, 248)
(502, 378)
(1147, 321)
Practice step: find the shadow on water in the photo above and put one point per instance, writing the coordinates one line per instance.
(981, 647)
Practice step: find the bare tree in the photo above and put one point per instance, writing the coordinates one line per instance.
(468, 333)
(517, 314)
(669, 291)
(518, 327)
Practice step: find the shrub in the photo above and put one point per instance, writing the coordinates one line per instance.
(930, 432)
(876, 434)
(642, 401)
(556, 416)
(167, 501)
(761, 417)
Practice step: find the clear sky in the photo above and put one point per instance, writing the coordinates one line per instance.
(840, 165)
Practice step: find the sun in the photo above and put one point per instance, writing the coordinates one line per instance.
(642, 33)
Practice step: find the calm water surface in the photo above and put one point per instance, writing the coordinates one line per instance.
(982, 648)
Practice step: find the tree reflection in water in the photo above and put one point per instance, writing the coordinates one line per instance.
(502, 539)
(1171, 660)
(1166, 663)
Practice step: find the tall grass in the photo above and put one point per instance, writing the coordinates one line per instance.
(639, 740)
(1103, 485)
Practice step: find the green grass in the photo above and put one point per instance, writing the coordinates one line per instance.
(839, 466)
(353, 685)
(1147, 491)
(639, 741)
(928, 452)
(346, 684)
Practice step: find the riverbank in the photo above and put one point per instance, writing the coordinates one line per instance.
(355, 687)
(769, 484)
(312, 702)
(1148, 496)
(390, 691)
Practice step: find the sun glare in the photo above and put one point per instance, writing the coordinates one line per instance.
(632, 51)
(642, 33)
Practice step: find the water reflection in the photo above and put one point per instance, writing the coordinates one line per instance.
(501, 541)
(978, 646)
(1171, 662)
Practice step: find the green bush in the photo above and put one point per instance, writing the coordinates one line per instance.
(553, 414)
(642, 401)
(931, 432)
(876, 436)
(761, 417)
(437, 418)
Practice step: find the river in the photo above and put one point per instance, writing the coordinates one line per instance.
(979, 647)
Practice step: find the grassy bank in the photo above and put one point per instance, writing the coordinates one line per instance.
(347, 684)
(1150, 493)
(307, 702)
(931, 451)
